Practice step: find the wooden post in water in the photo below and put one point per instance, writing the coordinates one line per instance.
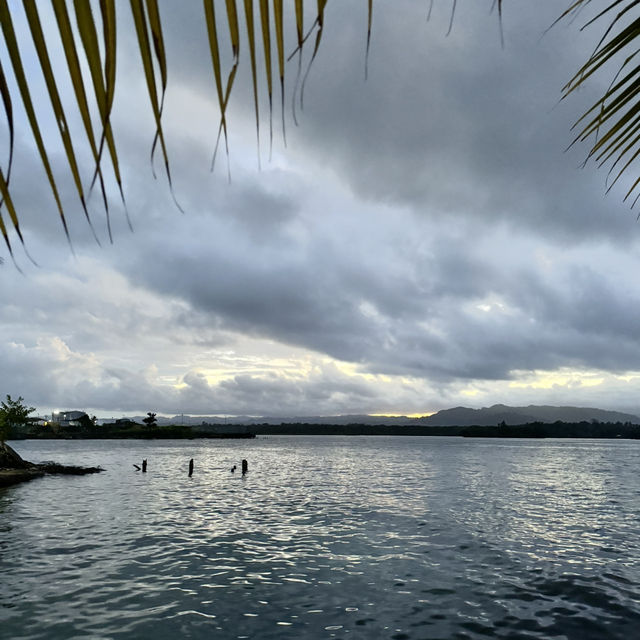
(191, 467)
(245, 467)
(144, 466)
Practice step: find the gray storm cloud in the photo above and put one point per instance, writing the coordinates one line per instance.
(426, 227)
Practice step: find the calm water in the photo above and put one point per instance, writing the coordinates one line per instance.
(326, 537)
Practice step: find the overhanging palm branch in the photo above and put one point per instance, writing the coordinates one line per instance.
(611, 126)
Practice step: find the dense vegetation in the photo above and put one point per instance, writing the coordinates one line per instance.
(125, 429)
(557, 430)
(14, 414)
(129, 429)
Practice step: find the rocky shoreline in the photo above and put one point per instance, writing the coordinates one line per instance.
(13, 469)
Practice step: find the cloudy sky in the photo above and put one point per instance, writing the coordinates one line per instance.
(423, 241)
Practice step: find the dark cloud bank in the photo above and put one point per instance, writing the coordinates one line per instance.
(425, 225)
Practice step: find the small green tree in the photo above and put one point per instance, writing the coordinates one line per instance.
(150, 420)
(87, 423)
(13, 413)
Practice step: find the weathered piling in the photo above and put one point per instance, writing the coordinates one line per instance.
(191, 467)
(245, 467)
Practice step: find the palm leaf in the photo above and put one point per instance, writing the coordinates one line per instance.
(214, 49)
(73, 65)
(6, 199)
(8, 110)
(251, 35)
(611, 126)
(279, 24)
(15, 59)
(37, 34)
(320, 26)
(266, 45)
(142, 31)
(103, 85)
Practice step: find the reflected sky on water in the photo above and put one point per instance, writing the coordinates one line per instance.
(325, 537)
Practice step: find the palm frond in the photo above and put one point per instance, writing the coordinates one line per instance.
(611, 127)
(15, 59)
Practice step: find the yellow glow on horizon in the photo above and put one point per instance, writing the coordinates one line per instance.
(422, 414)
(563, 378)
(629, 377)
(352, 369)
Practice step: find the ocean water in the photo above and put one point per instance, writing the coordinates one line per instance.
(325, 537)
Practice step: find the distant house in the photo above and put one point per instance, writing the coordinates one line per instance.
(69, 418)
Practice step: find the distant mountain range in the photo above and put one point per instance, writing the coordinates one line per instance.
(458, 417)
(462, 416)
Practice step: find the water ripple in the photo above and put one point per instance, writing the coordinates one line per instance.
(398, 538)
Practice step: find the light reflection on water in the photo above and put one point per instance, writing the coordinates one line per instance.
(326, 537)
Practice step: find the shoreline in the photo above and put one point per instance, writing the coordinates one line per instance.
(9, 477)
(14, 469)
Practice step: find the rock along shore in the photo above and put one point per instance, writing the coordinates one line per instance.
(13, 469)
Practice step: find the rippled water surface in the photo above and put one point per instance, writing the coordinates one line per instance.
(326, 537)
